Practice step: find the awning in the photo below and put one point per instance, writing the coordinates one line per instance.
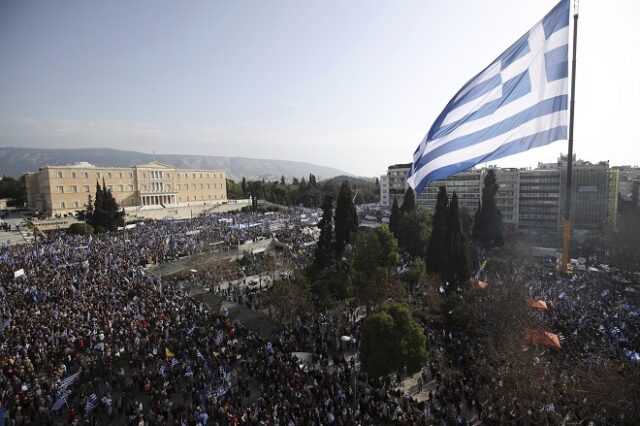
(543, 338)
(538, 304)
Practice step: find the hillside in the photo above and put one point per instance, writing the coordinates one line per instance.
(17, 161)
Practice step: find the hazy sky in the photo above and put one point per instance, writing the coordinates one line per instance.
(349, 84)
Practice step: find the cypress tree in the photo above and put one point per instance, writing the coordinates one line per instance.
(282, 181)
(458, 265)
(487, 224)
(346, 218)
(243, 185)
(437, 258)
(394, 219)
(409, 203)
(98, 202)
(324, 248)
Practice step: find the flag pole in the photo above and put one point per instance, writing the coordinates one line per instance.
(566, 225)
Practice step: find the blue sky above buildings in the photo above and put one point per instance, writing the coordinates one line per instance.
(349, 84)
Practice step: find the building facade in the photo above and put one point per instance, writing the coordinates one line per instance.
(59, 190)
(628, 176)
(467, 185)
(508, 196)
(531, 201)
(397, 183)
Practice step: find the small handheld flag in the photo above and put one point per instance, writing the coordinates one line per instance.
(517, 103)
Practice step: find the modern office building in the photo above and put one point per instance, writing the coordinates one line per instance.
(539, 206)
(628, 176)
(507, 198)
(396, 181)
(467, 185)
(531, 201)
(58, 190)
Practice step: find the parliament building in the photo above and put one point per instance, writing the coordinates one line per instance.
(60, 190)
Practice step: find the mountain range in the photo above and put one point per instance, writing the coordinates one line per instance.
(17, 161)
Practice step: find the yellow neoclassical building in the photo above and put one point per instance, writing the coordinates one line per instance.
(58, 190)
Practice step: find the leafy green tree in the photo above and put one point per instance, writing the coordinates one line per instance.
(487, 226)
(414, 230)
(394, 219)
(324, 248)
(437, 258)
(392, 341)
(374, 254)
(457, 250)
(409, 203)
(80, 229)
(346, 218)
(416, 273)
(234, 191)
(14, 189)
(282, 181)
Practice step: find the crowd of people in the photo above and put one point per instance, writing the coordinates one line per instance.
(89, 336)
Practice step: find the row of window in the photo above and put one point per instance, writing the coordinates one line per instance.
(159, 174)
(153, 186)
(73, 189)
(154, 174)
(99, 175)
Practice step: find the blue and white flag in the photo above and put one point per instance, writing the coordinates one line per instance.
(91, 403)
(62, 400)
(6, 323)
(517, 103)
(68, 381)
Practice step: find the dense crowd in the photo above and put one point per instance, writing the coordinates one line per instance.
(89, 336)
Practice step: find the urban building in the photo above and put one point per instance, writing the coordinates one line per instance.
(539, 205)
(628, 176)
(59, 190)
(531, 201)
(467, 185)
(636, 194)
(397, 183)
(507, 198)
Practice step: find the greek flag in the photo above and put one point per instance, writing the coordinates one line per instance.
(6, 323)
(517, 103)
(218, 392)
(62, 400)
(69, 380)
(91, 403)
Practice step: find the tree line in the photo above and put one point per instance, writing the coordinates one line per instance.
(307, 192)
